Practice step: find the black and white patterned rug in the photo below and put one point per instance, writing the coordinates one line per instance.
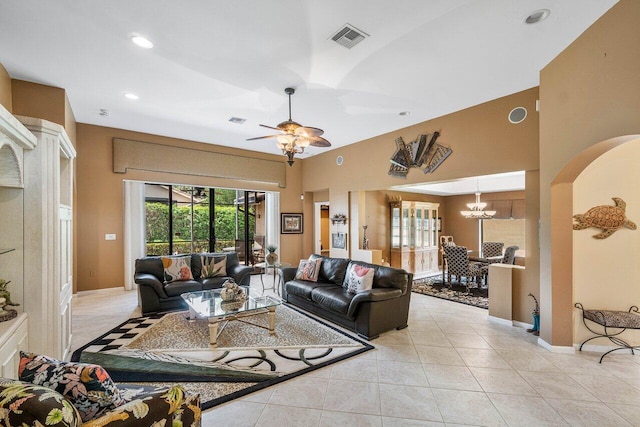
(153, 350)
(457, 292)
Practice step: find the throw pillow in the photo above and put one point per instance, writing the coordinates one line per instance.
(359, 278)
(308, 270)
(213, 266)
(88, 387)
(177, 268)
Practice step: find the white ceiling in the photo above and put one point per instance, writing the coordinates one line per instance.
(512, 181)
(216, 59)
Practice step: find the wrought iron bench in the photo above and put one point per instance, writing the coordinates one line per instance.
(618, 320)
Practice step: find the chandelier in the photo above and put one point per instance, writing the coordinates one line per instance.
(476, 210)
(293, 137)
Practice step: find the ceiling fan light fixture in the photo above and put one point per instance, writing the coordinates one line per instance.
(293, 137)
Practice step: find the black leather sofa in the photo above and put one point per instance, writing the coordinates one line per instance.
(157, 296)
(368, 313)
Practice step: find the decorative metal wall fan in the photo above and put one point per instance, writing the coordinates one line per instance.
(293, 137)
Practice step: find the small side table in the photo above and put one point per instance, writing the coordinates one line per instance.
(277, 275)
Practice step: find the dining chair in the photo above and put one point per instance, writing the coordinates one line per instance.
(458, 265)
(445, 241)
(509, 257)
(490, 249)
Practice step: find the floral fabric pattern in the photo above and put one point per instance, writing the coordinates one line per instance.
(359, 278)
(213, 266)
(177, 268)
(88, 387)
(25, 404)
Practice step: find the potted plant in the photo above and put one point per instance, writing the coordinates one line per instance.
(272, 256)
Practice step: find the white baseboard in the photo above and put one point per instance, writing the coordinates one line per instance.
(500, 320)
(522, 324)
(600, 348)
(507, 322)
(555, 348)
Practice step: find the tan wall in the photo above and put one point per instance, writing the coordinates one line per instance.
(588, 93)
(465, 230)
(5, 89)
(100, 200)
(605, 271)
(36, 100)
(482, 139)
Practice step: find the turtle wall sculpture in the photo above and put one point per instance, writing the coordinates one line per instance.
(605, 217)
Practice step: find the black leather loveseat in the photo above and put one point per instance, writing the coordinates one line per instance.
(368, 313)
(157, 296)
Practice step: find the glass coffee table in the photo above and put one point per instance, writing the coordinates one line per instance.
(209, 305)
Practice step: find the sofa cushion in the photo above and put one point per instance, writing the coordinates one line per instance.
(332, 270)
(213, 282)
(176, 268)
(213, 266)
(334, 298)
(26, 404)
(359, 278)
(308, 270)
(174, 289)
(88, 387)
(303, 288)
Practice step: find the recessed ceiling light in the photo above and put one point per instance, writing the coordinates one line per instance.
(142, 41)
(237, 120)
(404, 113)
(131, 96)
(537, 16)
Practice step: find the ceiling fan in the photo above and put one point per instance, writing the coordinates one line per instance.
(293, 137)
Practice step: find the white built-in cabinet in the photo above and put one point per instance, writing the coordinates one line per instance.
(48, 244)
(414, 236)
(13, 339)
(36, 200)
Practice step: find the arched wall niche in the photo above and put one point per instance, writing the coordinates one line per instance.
(10, 165)
(583, 268)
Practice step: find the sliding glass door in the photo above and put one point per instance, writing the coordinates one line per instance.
(185, 219)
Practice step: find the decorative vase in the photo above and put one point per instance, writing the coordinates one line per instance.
(271, 258)
(231, 291)
(365, 240)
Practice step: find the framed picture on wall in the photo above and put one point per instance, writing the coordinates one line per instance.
(291, 223)
(339, 240)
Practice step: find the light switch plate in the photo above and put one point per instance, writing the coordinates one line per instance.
(109, 237)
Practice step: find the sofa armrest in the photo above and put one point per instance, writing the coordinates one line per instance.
(373, 295)
(146, 279)
(288, 273)
(241, 274)
(174, 405)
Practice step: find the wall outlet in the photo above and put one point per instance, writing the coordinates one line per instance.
(109, 237)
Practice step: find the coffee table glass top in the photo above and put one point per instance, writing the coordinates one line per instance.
(210, 304)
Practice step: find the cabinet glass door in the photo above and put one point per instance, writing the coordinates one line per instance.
(405, 227)
(395, 227)
(434, 233)
(418, 230)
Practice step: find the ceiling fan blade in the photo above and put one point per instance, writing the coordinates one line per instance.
(263, 137)
(270, 127)
(308, 132)
(319, 142)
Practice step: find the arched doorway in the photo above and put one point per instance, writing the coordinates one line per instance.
(595, 271)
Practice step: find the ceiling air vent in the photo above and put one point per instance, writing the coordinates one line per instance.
(349, 36)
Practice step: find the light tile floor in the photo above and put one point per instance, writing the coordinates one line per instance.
(450, 367)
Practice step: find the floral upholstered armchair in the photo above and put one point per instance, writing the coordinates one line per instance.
(67, 394)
